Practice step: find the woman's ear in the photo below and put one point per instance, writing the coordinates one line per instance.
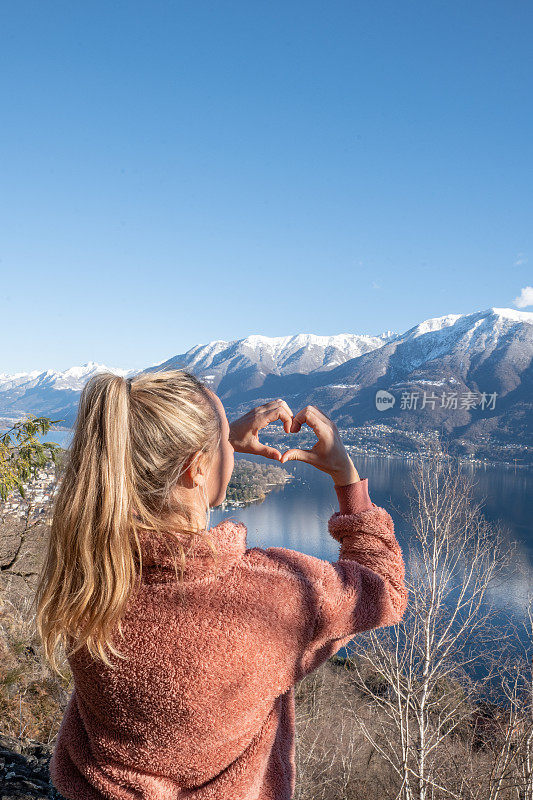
(188, 476)
(196, 471)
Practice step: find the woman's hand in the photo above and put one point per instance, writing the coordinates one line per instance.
(244, 431)
(329, 453)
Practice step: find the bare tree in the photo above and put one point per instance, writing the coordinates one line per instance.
(420, 674)
(525, 708)
(512, 752)
(334, 761)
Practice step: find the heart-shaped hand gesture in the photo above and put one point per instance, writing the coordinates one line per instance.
(244, 431)
(328, 454)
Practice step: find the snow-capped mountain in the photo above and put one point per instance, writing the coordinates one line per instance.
(245, 363)
(487, 351)
(49, 393)
(74, 378)
(248, 361)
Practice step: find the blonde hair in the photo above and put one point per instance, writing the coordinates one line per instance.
(130, 447)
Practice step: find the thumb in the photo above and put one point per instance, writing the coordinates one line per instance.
(298, 455)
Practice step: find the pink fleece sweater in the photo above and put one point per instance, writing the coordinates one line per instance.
(204, 708)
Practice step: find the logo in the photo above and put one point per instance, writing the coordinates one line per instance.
(384, 400)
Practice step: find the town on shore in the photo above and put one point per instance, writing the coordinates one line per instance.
(382, 441)
(251, 481)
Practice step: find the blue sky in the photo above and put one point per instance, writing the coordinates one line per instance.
(174, 173)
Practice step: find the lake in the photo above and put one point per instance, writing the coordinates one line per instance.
(296, 515)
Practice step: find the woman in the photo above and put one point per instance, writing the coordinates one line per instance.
(206, 637)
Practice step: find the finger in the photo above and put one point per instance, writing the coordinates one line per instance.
(278, 403)
(281, 412)
(274, 404)
(287, 422)
(311, 416)
(261, 449)
(271, 404)
(299, 455)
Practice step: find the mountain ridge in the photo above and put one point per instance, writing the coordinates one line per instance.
(488, 351)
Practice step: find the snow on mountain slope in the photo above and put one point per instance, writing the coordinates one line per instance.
(74, 378)
(487, 351)
(476, 335)
(49, 393)
(278, 355)
(491, 348)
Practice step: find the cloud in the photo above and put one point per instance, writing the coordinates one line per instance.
(525, 298)
(376, 285)
(520, 259)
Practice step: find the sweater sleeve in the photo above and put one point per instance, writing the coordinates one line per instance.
(354, 497)
(365, 587)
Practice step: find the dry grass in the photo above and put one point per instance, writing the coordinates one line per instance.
(32, 697)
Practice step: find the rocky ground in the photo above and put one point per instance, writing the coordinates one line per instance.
(22, 544)
(23, 768)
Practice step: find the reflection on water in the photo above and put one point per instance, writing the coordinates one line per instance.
(295, 516)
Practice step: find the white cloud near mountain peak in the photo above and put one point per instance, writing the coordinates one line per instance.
(525, 298)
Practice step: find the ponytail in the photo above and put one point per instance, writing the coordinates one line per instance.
(131, 444)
